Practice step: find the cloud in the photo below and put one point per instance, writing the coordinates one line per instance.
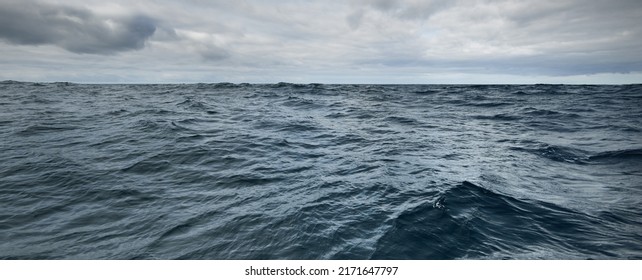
(214, 53)
(322, 40)
(74, 29)
(407, 9)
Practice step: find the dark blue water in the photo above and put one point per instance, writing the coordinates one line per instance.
(286, 171)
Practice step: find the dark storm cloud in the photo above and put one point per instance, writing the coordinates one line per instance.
(74, 29)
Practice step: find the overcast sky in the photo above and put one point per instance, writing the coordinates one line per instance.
(359, 41)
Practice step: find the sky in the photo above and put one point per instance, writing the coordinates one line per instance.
(326, 41)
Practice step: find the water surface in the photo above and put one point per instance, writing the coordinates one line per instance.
(288, 171)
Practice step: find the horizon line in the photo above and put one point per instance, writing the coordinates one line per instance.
(303, 83)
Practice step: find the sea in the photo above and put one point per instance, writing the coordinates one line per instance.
(320, 171)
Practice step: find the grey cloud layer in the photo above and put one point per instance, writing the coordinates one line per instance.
(565, 37)
(288, 39)
(74, 29)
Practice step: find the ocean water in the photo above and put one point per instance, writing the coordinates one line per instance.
(291, 171)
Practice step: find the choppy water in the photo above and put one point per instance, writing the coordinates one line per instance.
(284, 171)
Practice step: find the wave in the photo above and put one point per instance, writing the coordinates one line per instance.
(548, 113)
(491, 104)
(557, 153)
(401, 120)
(148, 167)
(44, 129)
(190, 103)
(579, 156)
(498, 117)
(626, 154)
(316, 171)
(470, 221)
